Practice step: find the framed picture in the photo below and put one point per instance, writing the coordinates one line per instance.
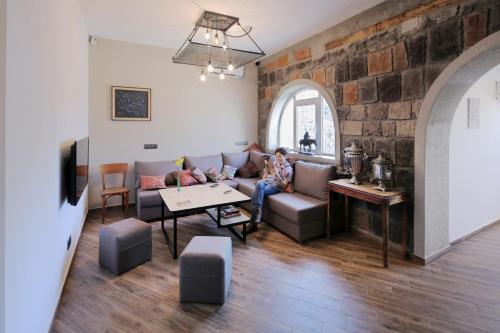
(130, 103)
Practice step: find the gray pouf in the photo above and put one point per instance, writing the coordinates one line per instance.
(124, 245)
(205, 270)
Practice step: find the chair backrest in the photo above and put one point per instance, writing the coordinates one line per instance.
(113, 168)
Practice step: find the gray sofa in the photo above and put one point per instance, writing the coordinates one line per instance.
(301, 215)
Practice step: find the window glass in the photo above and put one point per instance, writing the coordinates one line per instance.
(306, 121)
(328, 130)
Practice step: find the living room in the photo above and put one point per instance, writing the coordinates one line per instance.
(274, 166)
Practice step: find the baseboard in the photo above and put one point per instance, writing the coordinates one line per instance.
(66, 277)
(475, 232)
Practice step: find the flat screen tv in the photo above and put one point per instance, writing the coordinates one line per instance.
(78, 170)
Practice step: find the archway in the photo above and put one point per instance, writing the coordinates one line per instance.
(284, 94)
(431, 237)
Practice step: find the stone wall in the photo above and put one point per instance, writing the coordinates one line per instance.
(378, 77)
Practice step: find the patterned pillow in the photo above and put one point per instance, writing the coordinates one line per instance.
(186, 178)
(149, 183)
(214, 175)
(198, 175)
(228, 171)
(250, 170)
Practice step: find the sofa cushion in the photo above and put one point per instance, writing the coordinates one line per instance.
(204, 162)
(231, 183)
(236, 160)
(150, 198)
(312, 179)
(296, 207)
(246, 185)
(155, 169)
(249, 170)
(258, 159)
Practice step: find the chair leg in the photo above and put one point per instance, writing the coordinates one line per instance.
(123, 202)
(103, 210)
(126, 203)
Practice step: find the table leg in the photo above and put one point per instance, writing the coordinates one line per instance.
(244, 232)
(175, 236)
(385, 232)
(346, 213)
(218, 216)
(404, 238)
(162, 215)
(328, 215)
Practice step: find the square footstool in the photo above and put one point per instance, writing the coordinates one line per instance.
(205, 270)
(124, 245)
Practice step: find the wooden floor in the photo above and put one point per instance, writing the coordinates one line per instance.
(281, 286)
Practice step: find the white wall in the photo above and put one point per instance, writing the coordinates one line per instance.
(189, 117)
(474, 160)
(2, 163)
(46, 108)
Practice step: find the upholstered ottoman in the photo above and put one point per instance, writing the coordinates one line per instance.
(124, 245)
(205, 270)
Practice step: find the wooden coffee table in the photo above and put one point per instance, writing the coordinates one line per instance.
(198, 198)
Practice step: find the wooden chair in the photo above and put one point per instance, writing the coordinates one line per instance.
(108, 192)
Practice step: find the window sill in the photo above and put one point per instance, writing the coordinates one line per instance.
(313, 157)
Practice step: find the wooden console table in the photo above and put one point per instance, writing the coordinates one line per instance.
(366, 192)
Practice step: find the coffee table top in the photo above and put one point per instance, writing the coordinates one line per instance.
(200, 196)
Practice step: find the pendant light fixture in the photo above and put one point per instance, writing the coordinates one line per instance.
(222, 76)
(203, 76)
(210, 68)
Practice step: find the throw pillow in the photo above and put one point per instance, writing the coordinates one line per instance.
(254, 147)
(149, 183)
(198, 175)
(289, 188)
(186, 178)
(250, 170)
(214, 175)
(228, 171)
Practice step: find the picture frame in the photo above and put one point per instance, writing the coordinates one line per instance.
(130, 103)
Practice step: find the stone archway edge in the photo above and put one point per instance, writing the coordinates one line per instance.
(279, 102)
(431, 217)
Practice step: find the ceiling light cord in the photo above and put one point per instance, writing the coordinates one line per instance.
(197, 5)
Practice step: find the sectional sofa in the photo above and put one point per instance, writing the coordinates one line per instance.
(301, 215)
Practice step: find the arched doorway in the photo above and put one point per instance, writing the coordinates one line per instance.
(284, 95)
(431, 237)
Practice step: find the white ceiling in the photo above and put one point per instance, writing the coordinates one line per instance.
(276, 24)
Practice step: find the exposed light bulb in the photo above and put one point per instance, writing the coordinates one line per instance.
(207, 35)
(230, 67)
(203, 76)
(221, 76)
(216, 38)
(210, 67)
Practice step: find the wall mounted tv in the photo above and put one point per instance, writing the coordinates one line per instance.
(78, 170)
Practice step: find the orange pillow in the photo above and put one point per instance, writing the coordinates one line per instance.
(254, 147)
(149, 183)
(186, 178)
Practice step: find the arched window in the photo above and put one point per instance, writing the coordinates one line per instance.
(306, 111)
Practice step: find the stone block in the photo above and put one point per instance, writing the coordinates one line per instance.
(377, 111)
(387, 146)
(357, 67)
(372, 128)
(412, 84)
(417, 48)
(474, 28)
(494, 19)
(302, 65)
(263, 78)
(319, 76)
(431, 73)
(342, 70)
(399, 57)
(272, 78)
(302, 54)
(356, 112)
(268, 92)
(261, 93)
(368, 92)
(404, 177)
(389, 88)
(342, 112)
(306, 75)
(280, 76)
(388, 128)
(405, 151)
(406, 128)
(367, 145)
(380, 62)
(415, 108)
(330, 76)
(445, 41)
(338, 94)
(400, 110)
(280, 62)
(350, 93)
(294, 75)
(350, 127)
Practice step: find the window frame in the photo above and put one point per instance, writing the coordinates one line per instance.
(319, 103)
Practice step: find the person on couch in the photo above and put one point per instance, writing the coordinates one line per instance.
(276, 177)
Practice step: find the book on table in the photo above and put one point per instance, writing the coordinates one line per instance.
(229, 211)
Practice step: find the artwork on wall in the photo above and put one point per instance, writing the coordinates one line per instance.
(473, 114)
(130, 103)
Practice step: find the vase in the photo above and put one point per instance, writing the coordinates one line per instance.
(178, 183)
